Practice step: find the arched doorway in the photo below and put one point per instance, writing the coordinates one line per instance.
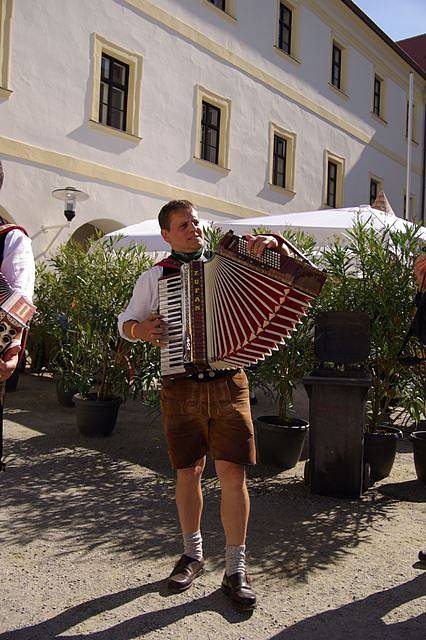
(89, 230)
(6, 216)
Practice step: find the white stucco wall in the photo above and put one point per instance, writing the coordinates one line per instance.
(49, 109)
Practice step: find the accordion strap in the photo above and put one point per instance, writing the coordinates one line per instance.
(169, 265)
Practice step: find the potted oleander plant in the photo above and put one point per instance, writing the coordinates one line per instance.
(280, 436)
(373, 273)
(96, 282)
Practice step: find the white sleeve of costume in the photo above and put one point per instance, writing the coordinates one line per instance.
(18, 263)
(144, 300)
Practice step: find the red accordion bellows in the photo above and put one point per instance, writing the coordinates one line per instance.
(234, 309)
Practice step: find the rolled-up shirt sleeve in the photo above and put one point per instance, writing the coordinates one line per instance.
(144, 300)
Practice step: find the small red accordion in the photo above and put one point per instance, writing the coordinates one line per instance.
(15, 313)
(234, 309)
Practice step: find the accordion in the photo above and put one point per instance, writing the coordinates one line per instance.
(234, 309)
(15, 313)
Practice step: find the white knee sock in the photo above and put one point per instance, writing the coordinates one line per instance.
(193, 545)
(235, 559)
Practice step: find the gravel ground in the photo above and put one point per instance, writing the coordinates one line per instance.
(88, 533)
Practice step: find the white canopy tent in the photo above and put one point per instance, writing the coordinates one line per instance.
(146, 232)
(324, 225)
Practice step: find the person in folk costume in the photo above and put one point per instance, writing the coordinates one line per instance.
(17, 266)
(420, 273)
(211, 414)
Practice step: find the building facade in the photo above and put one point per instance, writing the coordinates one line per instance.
(244, 107)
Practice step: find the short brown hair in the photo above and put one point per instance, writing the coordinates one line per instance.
(169, 208)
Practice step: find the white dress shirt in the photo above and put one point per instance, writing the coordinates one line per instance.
(18, 263)
(18, 266)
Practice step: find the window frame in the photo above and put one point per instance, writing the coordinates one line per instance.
(377, 96)
(6, 14)
(373, 197)
(206, 126)
(202, 94)
(339, 162)
(414, 128)
(339, 43)
(133, 111)
(293, 7)
(282, 26)
(336, 47)
(276, 130)
(228, 12)
(114, 85)
(381, 116)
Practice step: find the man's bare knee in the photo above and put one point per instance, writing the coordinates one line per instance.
(192, 475)
(230, 474)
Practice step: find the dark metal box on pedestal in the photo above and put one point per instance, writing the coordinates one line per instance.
(337, 398)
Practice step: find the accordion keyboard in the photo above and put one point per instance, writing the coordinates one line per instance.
(170, 308)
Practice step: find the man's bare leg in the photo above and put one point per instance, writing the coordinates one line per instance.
(235, 509)
(189, 497)
(189, 502)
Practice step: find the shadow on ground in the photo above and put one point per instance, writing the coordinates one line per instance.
(134, 628)
(90, 493)
(364, 618)
(358, 620)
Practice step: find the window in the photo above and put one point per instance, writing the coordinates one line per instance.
(282, 157)
(210, 133)
(226, 8)
(5, 31)
(336, 66)
(374, 190)
(279, 164)
(339, 55)
(116, 92)
(287, 29)
(284, 28)
(377, 96)
(212, 129)
(332, 184)
(220, 4)
(413, 117)
(334, 179)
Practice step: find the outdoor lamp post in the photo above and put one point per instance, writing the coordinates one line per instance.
(70, 196)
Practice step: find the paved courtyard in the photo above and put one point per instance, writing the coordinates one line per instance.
(88, 533)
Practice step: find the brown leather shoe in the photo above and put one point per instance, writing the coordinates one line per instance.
(185, 571)
(238, 589)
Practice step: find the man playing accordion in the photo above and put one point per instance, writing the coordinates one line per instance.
(206, 412)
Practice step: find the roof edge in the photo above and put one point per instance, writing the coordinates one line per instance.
(369, 22)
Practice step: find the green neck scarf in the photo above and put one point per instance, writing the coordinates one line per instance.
(187, 257)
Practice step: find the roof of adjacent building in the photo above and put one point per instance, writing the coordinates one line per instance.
(395, 46)
(416, 48)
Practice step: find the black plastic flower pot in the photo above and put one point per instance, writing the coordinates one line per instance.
(96, 418)
(418, 438)
(12, 382)
(380, 450)
(279, 445)
(64, 396)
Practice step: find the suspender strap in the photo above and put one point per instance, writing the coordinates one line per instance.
(169, 265)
